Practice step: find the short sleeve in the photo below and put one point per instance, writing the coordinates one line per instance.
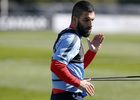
(67, 48)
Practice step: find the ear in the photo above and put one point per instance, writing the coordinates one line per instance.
(75, 20)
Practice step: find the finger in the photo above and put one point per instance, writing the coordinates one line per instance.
(90, 90)
(88, 79)
(91, 94)
(88, 40)
(102, 38)
(89, 43)
(101, 35)
(95, 37)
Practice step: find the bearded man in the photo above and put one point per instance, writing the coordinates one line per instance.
(69, 61)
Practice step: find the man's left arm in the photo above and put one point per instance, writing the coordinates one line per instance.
(94, 46)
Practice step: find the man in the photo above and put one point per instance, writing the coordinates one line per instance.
(69, 61)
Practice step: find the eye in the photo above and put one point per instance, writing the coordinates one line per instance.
(86, 20)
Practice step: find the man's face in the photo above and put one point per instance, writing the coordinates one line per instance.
(85, 22)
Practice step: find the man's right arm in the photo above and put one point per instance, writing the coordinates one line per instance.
(61, 71)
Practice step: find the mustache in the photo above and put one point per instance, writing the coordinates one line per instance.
(88, 28)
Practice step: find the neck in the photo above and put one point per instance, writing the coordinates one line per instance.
(73, 27)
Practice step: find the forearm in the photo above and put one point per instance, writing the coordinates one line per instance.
(61, 71)
(88, 57)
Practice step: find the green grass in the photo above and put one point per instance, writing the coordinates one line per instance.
(25, 59)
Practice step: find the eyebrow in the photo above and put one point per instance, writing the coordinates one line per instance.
(88, 18)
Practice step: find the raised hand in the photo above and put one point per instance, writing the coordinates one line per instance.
(96, 42)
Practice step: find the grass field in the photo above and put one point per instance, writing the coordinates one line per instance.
(25, 59)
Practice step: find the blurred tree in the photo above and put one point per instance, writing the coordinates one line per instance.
(104, 1)
(129, 1)
(46, 1)
(93, 1)
(24, 1)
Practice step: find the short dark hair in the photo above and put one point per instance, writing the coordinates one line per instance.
(81, 6)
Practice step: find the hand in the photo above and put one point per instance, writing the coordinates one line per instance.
(95, 44)
(86, 86)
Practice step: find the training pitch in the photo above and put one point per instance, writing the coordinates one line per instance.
(25, 59)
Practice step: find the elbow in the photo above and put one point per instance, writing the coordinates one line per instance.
(52, 68)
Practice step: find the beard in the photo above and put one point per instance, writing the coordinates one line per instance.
(82, 30)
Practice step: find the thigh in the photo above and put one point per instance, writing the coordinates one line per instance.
(67, 96)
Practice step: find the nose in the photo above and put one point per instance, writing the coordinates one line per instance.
(90, 24)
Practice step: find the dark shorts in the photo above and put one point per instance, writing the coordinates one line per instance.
(67, 96)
